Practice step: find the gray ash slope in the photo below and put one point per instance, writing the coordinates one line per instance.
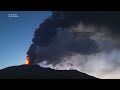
(37, 72)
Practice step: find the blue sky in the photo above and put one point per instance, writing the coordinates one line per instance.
(16, 35)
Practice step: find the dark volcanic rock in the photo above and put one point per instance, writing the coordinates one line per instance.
(37, 72)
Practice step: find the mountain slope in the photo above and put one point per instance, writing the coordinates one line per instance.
(37, 72)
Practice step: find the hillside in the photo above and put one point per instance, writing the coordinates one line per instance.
(37, 72)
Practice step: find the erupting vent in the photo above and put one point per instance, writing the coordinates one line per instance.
(27, 61)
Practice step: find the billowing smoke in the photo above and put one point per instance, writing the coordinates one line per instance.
(84, 40)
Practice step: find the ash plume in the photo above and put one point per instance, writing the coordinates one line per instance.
(84, 40)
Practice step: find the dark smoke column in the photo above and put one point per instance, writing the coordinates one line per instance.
(48, 30)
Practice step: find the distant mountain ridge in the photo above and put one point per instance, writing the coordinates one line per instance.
(37, 72)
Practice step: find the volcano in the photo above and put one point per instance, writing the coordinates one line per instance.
(38, 72)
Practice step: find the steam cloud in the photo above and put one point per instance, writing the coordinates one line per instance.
(84, 40)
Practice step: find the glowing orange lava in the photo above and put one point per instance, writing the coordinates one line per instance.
(27, 61)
